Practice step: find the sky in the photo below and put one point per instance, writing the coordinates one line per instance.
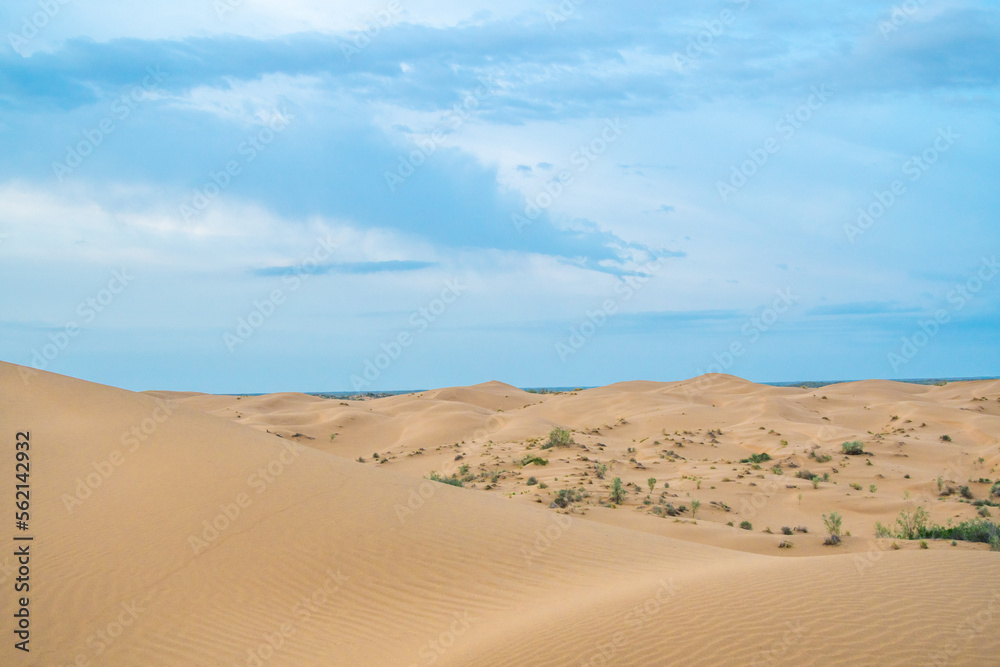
(241, 196)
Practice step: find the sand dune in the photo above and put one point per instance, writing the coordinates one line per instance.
(166, 535)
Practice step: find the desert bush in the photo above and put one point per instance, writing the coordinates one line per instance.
(617, 491)
(600, 469)
(532, 481)
(995, 491)
(853, 448)
(945, 438)
(785, 544)
(454, 480)
(537, 460)
(912, 524)
(984, 512)
(652, 483)
(558, 437)
(746, 525)
(804, 474)
(777, 470)
(815, 482)
(965, 492)
(565, 497)
(833, 522)
(785, 530)
(757, 458)
(872, 488)
(695, 506)
(855, 486)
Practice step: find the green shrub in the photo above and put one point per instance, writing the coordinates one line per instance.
(912, 525)
(695, 505)
(617, 491)
(945, 438)
(558, 437)
(823, 458)
(785, 530)
(537, 460)
(833, 522)
(746, 525)
(777, 470)
(454, 480)
(995, 491)
(757, 458)
(804, 474)
(532, 481)
(853, 448)
(567, 496)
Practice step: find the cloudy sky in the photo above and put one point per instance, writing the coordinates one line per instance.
(253, 195)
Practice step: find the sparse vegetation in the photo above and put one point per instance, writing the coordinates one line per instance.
(945, 438)
(785, 544)
(695, 506)
(757, 458)
(558, 437)
(532, 481)
(853, 448)
(833, 522)
(617, 491)
(746, 525)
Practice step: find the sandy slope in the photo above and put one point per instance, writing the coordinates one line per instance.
(335, 562)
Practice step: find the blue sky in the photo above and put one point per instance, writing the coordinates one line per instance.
(252, 196)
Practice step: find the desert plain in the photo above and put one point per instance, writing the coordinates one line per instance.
(641, 523)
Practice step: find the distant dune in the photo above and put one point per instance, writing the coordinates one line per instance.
(189, 529)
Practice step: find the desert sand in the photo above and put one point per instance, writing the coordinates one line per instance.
(190, 529)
